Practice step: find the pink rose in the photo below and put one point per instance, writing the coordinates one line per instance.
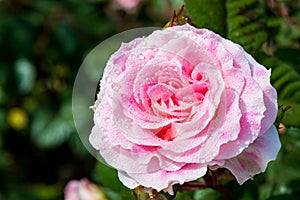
(83, 190)
(179, 101)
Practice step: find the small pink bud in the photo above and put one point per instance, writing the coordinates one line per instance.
(83, 190)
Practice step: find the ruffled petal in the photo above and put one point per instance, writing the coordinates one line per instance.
(254, 159)
(162, 180)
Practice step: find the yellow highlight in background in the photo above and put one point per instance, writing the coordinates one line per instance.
(17, 118)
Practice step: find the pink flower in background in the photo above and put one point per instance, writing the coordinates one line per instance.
(83, 190)
(128, 4)
(180, 101)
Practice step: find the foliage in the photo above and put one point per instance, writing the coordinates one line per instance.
(208, 13)
(42, 45)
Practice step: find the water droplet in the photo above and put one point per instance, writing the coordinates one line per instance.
(141, 57)
(97, 113)
(117, 71)
(108, 79)
(107, 119)
(104, 131)
(104, 102)
(105, 139)
(115, 86)
(127, 126)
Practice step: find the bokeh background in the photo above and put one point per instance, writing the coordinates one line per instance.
(44, 42)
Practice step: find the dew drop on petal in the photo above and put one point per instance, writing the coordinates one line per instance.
(117, 71)
(108, 79)
(127, 126)
(97, 113)
(105, 139)
(115, 86)
(141, 57)
(104, 131)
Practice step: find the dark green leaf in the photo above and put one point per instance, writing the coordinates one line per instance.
(245, 23)
(284, 197)
(206, 194)
(108, 178)
(247, 191)
(286, 79)
(50, 130)
(290, 55)
(209, 14)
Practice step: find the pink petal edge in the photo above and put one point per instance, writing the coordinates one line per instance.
(163, 180)
(255, 158)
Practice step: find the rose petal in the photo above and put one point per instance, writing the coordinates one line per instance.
(260, 74)
(218, 133)
(162, 179)
(252, 109)
(254, 159)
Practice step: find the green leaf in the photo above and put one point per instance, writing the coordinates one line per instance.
(286, 79)
(240, 21)
(209, 14)
(245, 19)
(184, 195)
(206, 194)
(108, 178)
(288, 54)
(291, 117)
(50, 130)
(284, 197)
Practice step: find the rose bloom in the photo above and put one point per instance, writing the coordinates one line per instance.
(83, 190)
(180, 101)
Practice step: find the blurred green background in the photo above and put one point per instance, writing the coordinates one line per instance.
(42, 45)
